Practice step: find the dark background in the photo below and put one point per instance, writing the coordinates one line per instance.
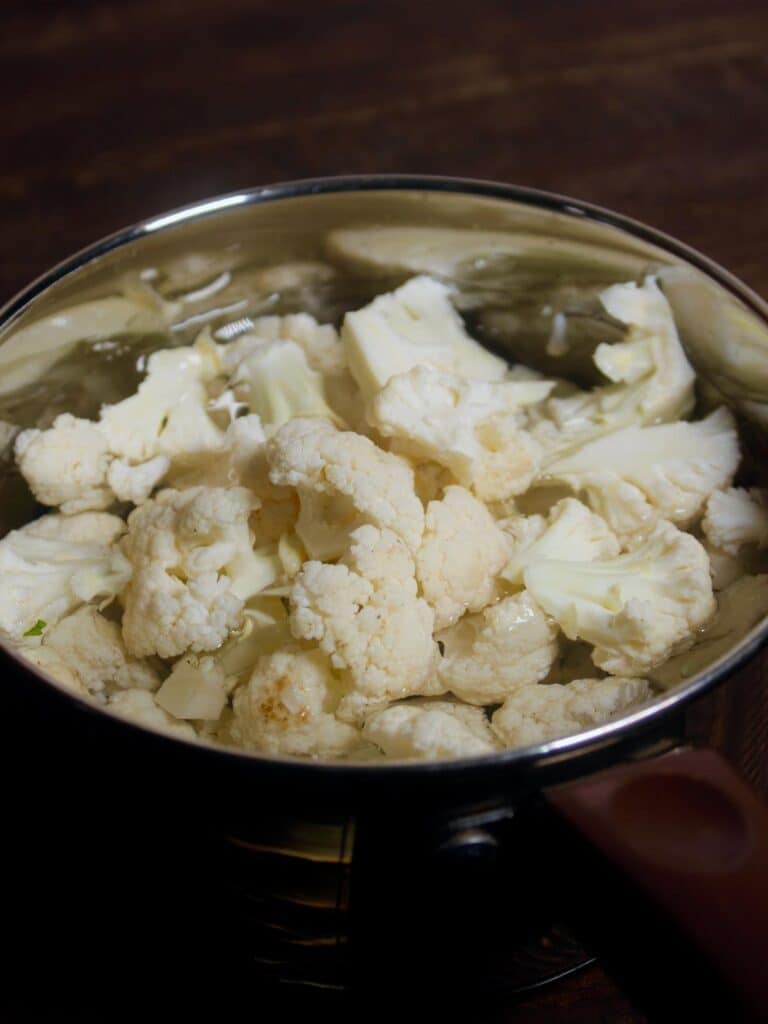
(114, 111)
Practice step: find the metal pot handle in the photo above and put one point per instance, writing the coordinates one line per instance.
(667, 865)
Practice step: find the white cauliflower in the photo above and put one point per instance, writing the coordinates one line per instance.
(135, 483)
(278, 385)
(487, 656)
(430, 730)
(636, 609)
(652, 381)
(199, 684)
(416, 325)
(141, 707)
(740, 607)
(357, 482)
(570, 531)
(79, 464)
(54, 564)
(91, 648)
(194, 565)
(461, 554)
(365, 613)
(638, 475)
(320, 343)
(243, 462)
(472, 427)
(66, 465)
(70, 465)
(287, 707)
(168, 415)
(537, 714)
(736, 517)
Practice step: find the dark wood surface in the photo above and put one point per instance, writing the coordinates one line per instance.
(118, 110)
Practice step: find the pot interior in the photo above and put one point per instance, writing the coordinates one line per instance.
(527, 268)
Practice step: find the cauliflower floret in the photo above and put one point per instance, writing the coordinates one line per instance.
(91, 648)
(636, 609)
(430, 730)
(487, 656)
(638, 475)
(287, 707)
(472, 427)
(363, 484)
(78, 464)
(66, 465)
(278, 385)
(460, 556)
(537, 714)
(141, 707)
(168, 415)
(570, 531)
(413, 326)
(199, 684)
(194, 565)
(740, 607)
(366, 614)
(53, 565)
(652, 379)
(320, 343)
(83, 528)
(70, 465)
(736, 517)
(243, 462)
(135, 483)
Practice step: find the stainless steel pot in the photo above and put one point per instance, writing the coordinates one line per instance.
(340, 859)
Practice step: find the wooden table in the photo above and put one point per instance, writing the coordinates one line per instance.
(114, 111)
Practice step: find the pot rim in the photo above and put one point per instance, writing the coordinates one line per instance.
(588, 741)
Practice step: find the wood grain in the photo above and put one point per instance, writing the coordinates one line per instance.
(118, 110)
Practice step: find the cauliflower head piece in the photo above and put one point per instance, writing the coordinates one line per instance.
(90, 648)
(366, 615)
(472, 427)
(278, 385)
(638, 475)
(430, 730)
(651, 378)
(488, 655)
(637, 609)
(320, 343)
(70, 465)
(416, 325)
(356, 482)
(81, 465)
(194, 565)
(461, 554)
(539, 713)
(287, 707)
(737, 517)
(169, 414)
(54, 564)
(569, 531)
(740, 606)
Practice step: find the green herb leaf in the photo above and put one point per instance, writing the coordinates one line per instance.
(37, 629)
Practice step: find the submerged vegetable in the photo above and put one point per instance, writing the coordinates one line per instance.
(384, 541)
